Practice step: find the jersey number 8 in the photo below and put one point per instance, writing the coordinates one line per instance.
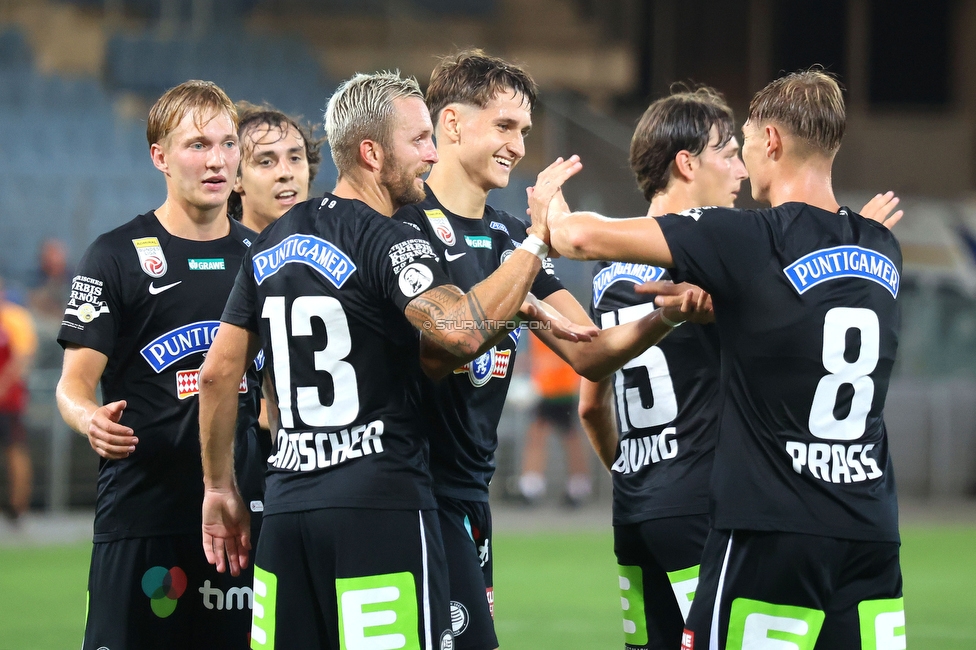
(345, 405)
(838, 321)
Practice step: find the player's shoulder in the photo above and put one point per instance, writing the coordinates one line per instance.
(505, 222)
(143, 226)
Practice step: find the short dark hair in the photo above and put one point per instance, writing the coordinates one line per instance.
(680, 122)
(473, 77)
(252, 117)
(808, 103)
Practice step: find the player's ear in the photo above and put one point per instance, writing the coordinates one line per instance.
(158, 156)
(773, 141)
(684, 165)
(371, 154)
(448, 123)
(238, 187)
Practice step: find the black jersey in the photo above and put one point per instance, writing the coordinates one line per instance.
(151, 302)
(326, 287)
(666, 401)
(806, 309)
(465, 407)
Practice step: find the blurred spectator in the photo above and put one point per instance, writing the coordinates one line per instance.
(47, 300)
(558, 386)
(18, 343)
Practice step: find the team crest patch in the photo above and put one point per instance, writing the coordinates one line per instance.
(493, 363)
(442, 226)
(188, 383)
(151, 257)
(459, 618)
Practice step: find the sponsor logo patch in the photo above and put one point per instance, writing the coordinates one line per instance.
(497, 225)
(206, 264)
(478, 242)
(321, 255)
(459, 618)
(843, 262)
(85, 302)
(623, 272)
(442, 226)
(151, 257)
(407, 252)
(163, 587)
(493, 363)
(167, 349)
(188, 383)
(687, 640)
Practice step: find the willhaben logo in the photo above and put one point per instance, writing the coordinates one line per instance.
(208, 264)
(180, 343)
(623, 271)
(321, 255)
(478, 242)
(163, 587)
(843, 262)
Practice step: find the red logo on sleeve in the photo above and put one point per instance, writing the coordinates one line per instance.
(687, 640)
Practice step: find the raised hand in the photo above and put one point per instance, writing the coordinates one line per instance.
(680, 302)
(560, 326)
(546, 187)
(879, 208)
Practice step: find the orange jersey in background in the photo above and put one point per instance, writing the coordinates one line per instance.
(552, 377)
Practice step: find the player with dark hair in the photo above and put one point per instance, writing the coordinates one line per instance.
(684, 155)
(279, 161)
(804, 541)
(481, 107)
(143, 311)
(335, 291)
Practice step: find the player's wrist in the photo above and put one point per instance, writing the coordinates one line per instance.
(672, 323)
(535, 245)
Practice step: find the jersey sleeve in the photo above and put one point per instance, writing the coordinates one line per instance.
(93, 315)
(241, 308)
(719, 249)
(402, 265)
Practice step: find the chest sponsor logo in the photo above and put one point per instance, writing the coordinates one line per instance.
(151, 258)
(85, 302)
(404, 253)
(623, 272)
(188, 383)
(321, 255)
(497, 225)
(478, 242)
(636, 453)
(206, 264)
(442, 226)
(843, 262)
(493, 363)
(308, 451)
(180, 343)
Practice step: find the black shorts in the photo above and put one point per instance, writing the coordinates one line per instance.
(12, 431)
(331, 578)
(466, 526)
(160, 592)
(560, 413)
(813, 592)
(658, 563)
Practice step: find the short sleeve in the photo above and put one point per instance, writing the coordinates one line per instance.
(93, 315)
(241, 308)
(719, 249)
(402, 264)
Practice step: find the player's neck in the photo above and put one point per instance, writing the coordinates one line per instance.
(675, 199)
(808, 183)
(366, 189)
(187, 221)
(456, 191)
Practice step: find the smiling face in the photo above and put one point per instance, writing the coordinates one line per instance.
(492, 139)
(274, 173)
(410, 153)
(720, 172)
(200, 158)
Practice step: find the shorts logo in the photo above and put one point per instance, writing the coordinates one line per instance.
(263, 614)
(378, 612)
(208, 264)
(321, 255)
(188, 383)
(163, 587)
(447, 640)
(415, 279)
(459, 618)
(490, 594)
(151, 257)
(687, 640)
(442, 226)
(493, 363)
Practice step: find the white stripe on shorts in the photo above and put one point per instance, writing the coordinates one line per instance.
(713, 632)
(423, 548)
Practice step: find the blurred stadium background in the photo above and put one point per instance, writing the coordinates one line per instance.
(77, 79)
